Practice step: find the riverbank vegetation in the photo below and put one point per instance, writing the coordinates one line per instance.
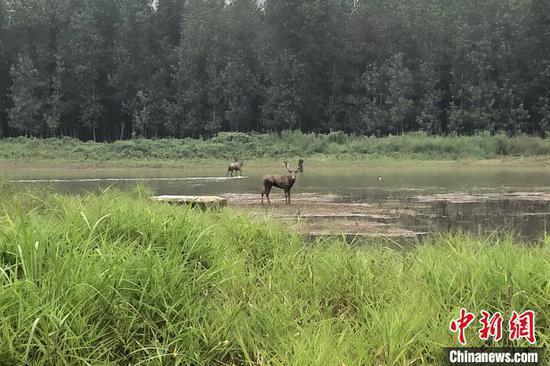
(227, 146)
(113, 278)
(109, 70)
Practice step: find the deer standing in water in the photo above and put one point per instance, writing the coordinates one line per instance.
(235, 167)
(285, 182)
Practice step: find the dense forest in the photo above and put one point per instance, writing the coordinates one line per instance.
(116, 69)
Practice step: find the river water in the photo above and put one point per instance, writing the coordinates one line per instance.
(396, 201)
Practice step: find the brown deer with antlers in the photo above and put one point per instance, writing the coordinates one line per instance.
(285, 182)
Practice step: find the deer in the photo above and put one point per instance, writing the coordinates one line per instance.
(285, 182)
(235, 167)
(301, 165)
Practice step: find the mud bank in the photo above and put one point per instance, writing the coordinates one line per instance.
(406, 215)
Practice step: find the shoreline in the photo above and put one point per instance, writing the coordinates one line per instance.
(505, 162)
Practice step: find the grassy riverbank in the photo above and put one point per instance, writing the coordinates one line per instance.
(113, 278)
(226, 146)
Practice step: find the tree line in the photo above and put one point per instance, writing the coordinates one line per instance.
(115, 69)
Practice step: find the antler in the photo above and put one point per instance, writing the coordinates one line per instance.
(285, 163)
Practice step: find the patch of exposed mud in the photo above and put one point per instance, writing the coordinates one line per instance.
(406, 217)
(323, 215)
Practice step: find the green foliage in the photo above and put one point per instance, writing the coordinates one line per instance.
(110, 70)
(231, 145)
(116, 279)
(24, 115)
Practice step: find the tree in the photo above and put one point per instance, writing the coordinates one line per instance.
(399, 90)
(112, 69)
(241, 76)
(54, 104)
(241, 92)
(283, 107)
(388, 101)
(537, 56)
(543, 110)
(201, 62)
(374, 115)
(24, 115)
(4, 67)
(429, 118)
(134, 61)
(162, 91)
(80, 52)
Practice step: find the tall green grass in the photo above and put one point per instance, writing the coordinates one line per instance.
(115, 279)
(267, 146)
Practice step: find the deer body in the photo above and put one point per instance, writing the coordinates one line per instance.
(284, 182)
(235, 167)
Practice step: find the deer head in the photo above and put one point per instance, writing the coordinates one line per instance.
(291, 173)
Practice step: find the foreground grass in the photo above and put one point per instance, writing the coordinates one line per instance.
(115, 279)
(226, 146)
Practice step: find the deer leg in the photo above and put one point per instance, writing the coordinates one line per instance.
(267, 190)
(288, 194)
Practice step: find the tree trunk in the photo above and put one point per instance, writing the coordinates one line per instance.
(214, 115)
(122, 130)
